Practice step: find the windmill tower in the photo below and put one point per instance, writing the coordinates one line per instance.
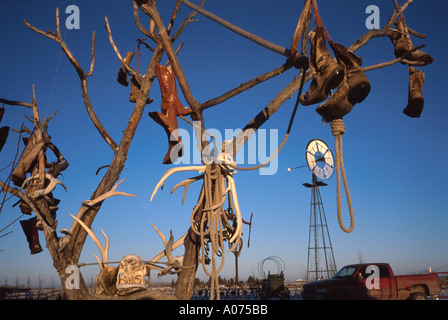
(321, 263)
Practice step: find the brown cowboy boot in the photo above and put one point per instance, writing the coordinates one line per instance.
(359, 85)
(26, 160)
(31, 233)
(4, 132)
(168, 89)
(338, 105)
(135, 89)
(169, 124)
(415, 101)
(327, 74)
(123, 72)
(402, 44)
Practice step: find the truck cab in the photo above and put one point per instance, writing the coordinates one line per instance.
(372, 281)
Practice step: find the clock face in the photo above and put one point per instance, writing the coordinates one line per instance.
(320, 159)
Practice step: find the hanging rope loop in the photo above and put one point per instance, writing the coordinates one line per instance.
(338, 129)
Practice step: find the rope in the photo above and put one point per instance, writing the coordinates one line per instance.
(319, 21)
(338, 129)
(214, 190)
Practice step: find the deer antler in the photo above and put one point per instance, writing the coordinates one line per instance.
(112, 192)
(172, 246)
(173, 262)
(85, 205)
(186, 183)
(103, 250)
(170, 172)
(51, 186)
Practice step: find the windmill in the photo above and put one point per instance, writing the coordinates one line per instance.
(321, 263)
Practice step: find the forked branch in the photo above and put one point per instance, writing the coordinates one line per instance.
(82, 76)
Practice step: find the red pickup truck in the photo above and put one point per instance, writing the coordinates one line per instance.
(372, 281)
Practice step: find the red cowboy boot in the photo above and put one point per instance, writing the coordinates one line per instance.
(169, 124)
(415, 101)
(327, 74)
(31, 233)
(359, 85)
(171, 107)
(123, 72)
(402, 44)
(170, 99)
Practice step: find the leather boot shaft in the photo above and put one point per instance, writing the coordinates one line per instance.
(32, 236)
(416, 101)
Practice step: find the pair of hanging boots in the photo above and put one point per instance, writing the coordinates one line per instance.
(353, 89)
(123, 79)
(345, 74)
(171, 107)
(32, 236)
(403, 44)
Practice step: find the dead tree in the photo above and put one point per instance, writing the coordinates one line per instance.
(66, 250)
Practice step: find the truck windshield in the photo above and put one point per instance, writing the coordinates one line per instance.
(345, 272)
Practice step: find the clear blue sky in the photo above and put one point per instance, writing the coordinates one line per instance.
(395, 165)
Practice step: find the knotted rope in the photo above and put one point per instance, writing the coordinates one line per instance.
(211, 226)
(338, 129)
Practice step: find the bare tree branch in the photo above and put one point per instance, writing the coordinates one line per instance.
(247, 85)
(82, 76)
(302, 61)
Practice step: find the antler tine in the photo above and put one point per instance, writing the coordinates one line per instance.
(170, 172)
(175, 245)
(112, 192)
(160, 234)
(169, 247)
(51, 186)
(186, 183)
(103, 250)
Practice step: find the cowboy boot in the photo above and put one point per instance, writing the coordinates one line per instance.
(4, 132)
(26, 160)
(415, 101)
(327, 74)
(169, 124)
(123, 72)
(402, 44)
(359, 85)
(168, 89)
(338, 105)
(32, 236)
(135, 89)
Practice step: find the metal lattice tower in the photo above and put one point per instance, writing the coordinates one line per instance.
(321, 263)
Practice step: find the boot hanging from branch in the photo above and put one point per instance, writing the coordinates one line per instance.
(171, 108)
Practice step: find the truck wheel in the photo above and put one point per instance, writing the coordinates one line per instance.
(418, 296)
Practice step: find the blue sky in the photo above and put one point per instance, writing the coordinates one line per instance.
(395, 165)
